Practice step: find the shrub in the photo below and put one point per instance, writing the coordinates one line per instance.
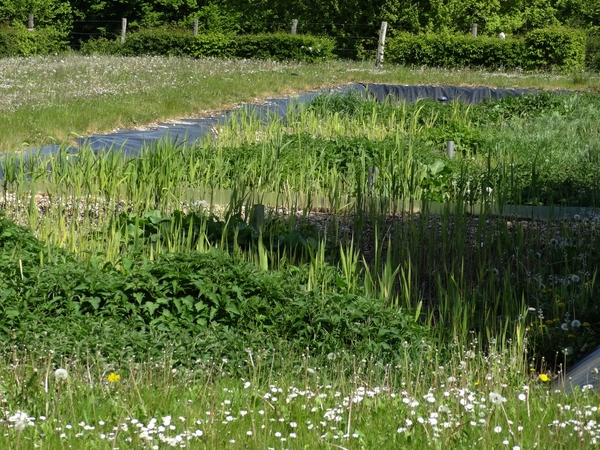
(284, 46)
(18, 41)
(555, 48)
(544, 49)
(446, 50)
(101, 46)
(177, 42)
(592, 50)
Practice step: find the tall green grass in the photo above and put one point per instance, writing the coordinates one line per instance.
(477, 273)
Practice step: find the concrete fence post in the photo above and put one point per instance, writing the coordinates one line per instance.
(381, 45)
(123, 30)
(474, 29)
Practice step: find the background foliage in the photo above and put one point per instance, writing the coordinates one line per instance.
(330, 17)
(352, 24)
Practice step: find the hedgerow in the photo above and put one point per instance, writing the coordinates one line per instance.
(18, 41)
(543, 49)
(177, 42)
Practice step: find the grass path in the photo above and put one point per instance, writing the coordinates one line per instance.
(47, 100)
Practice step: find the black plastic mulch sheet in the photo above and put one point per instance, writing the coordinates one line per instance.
(471, 95)
(188, 131)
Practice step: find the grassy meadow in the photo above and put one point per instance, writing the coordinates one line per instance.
(149, 303)
(50, 99)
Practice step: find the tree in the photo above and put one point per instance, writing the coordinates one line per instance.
(47, 13)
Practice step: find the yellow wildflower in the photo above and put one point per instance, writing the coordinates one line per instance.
(545, 378)
(113, 378)
(585, 324)
(560, 304)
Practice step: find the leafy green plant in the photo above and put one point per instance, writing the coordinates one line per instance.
(191, 296)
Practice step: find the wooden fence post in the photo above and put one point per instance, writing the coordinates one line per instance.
(123, 30)
(30, 22)
(381, 45)
(474, 29)
(195, 27)
(294, 26)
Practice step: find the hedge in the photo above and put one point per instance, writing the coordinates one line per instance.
(284, 46)
(544, 49)
(18, 41)
(555, 48)
(174, 42)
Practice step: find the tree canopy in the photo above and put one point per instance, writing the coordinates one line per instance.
(347, 18)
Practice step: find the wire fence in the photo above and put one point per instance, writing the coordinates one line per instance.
(362, 40)
(354, 31)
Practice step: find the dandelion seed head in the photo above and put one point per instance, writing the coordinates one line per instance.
(61, 374)
(496, 398)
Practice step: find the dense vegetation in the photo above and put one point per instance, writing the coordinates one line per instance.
(148, 302)
(339, 19)
(197, 305)
(353, 25)
(529, 150)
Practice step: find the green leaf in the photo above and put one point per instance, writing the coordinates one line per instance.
(151, 307)
(95, 302)
(232, 309)
(213, 313)
(437, 167)
(11, 312)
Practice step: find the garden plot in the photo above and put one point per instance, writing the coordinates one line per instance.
(308, 327)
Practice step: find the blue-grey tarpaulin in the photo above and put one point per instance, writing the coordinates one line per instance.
(188, 131)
